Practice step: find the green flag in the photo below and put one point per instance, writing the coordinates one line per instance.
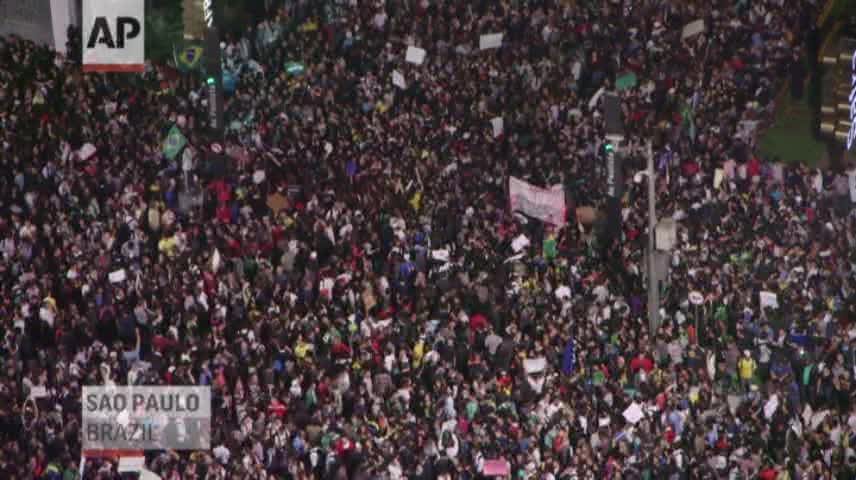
(174, 142)
(626, 81)
(807, 374)
(188, 55)
(294, 68)
(550, 250)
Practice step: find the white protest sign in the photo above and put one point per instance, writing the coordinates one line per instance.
(398, 80)
(818, 418)
(771, 406)
(37, 392)
(415, 55)
(491, 40)
(86, 151)
(563, 292)
(259, 176)
(692, 29)
(746, 129)
(768, 299)
(633, 413)
(114, 36)
(544, 204)
(718, 177)
(118, 276)
(520, 243)
(440, 255)
(498, 125)
(535, 365)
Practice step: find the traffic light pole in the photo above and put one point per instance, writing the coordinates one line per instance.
(653, 290)
(214, 80)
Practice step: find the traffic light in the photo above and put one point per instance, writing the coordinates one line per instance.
(211, 81)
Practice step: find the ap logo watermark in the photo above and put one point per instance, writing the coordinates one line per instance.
(114, 36)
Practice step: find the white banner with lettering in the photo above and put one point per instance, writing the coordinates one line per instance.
(547, 205)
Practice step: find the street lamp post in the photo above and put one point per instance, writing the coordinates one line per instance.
(653, 290)
(214, 81)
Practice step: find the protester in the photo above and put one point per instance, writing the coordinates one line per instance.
(347, 281)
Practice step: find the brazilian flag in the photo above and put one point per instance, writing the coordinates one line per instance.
(174, 142)
(188, 55)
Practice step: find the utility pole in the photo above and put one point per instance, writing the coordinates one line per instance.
(214, 81)
(653, 287)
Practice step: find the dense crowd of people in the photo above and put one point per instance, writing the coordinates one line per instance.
(348, 280)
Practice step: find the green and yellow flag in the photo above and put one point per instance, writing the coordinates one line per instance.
(174, 142)
(188, 55)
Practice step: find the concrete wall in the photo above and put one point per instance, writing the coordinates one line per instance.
(30, 19)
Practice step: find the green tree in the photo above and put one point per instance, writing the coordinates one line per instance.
(164, 28)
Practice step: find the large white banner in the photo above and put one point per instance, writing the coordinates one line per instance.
(113, 36)
(547, 205)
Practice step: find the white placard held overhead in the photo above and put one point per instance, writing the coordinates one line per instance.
(498, 125)
(491, 40)
(415, 55)
(259, 176)
(633, 413)
(769, 299)
(440, 255)
(118, 276)
(692, 29)
(771, 406)
(520, 243)
(398, 80)
(541, 203)
(86, 151)
(718, 177)
(535, 365)
(37, 392)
